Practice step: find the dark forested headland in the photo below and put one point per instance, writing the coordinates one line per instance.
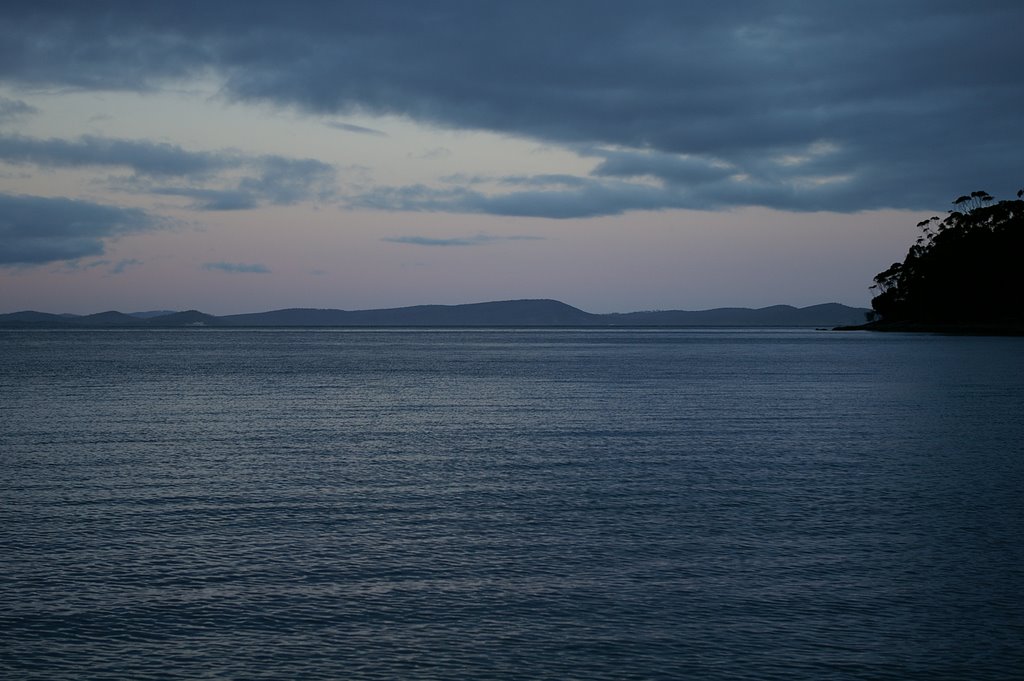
(964, 274)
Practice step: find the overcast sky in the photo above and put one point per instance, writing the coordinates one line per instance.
(243, 156)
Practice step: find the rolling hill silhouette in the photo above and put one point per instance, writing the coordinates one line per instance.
(498, 313)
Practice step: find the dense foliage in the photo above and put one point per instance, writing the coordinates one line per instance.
(964, 269)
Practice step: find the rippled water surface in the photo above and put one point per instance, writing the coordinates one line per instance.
(517, 504)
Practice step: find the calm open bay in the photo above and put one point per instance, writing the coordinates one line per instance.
(510, 503)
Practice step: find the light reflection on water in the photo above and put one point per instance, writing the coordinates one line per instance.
(510, 504)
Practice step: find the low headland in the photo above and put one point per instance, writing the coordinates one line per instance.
(963, 275)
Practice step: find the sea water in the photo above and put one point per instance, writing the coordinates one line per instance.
(510, 504)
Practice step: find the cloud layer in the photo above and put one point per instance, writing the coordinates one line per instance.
(214, 180)
(35, 230)
(814, 106)
(13, 109)
(153, 159)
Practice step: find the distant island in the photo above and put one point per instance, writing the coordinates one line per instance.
(963, 275)
(535, 313)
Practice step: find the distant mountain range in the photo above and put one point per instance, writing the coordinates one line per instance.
(499, 313)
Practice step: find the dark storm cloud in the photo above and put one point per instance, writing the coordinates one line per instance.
(586, 197)
(918, 99)
(207, 175)
(594, 199)
(285, 181)
(670, 168)
(142, 157)
(237, 268)
(12, 109)
(36, 230)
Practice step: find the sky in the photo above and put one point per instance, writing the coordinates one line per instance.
(245, 156)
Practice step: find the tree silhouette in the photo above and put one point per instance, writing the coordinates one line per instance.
(964, 269)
